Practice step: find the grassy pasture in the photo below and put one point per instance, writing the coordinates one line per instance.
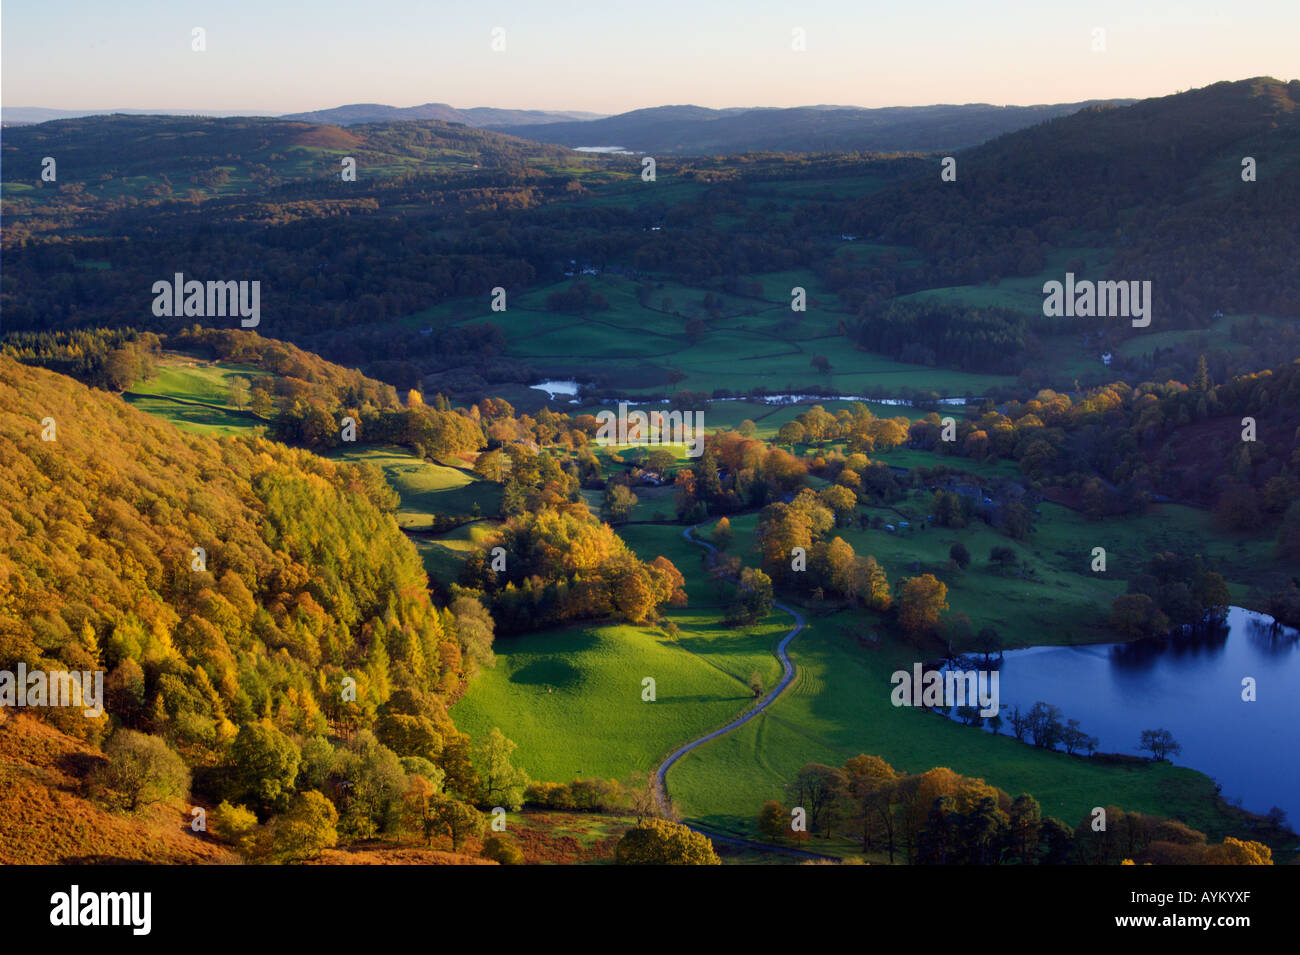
(839, 707)
(571, 697)
(426, 488)
(444, 555)
(179, 376)
(197, 419)
(747, 344)
(1025, 293)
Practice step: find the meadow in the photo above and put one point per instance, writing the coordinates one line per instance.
(571, 698)
(195, 395)
(426, 489)
(744, 345)
(839, 707)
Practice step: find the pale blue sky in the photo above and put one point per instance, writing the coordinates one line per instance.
(265, 56)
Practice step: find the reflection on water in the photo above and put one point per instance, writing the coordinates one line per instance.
(1191, 685)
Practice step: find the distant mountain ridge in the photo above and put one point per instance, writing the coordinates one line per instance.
(356, 113)
(350, 115)
(15, 115)
(696, 130)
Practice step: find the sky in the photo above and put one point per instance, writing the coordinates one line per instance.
(268, 57)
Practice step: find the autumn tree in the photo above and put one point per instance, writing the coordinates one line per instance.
(722, 533)
(959, 555)
(500, 848)
(306, 828)
(753, 597)
(140, 770)
(874, 586)
(491, 466)
(821, 791)
(419, 808)
(1238, 852)
(1026, 819)
(235, 825)
(920, 602)
(458, 820)
(239, 392)
(871, 783)
(774, 820)
(1137, 615)
(617, 503)
(660, 842)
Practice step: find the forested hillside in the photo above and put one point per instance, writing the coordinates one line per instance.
(226, 588)
(1161, 180)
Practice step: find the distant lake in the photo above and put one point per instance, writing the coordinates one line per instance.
(1190, 686)
(553, 388)
(616, 150)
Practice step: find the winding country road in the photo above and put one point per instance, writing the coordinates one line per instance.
(787, 676)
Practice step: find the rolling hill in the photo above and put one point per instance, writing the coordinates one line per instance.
(117, 160)
(473, 116)
(1160, 180)
(694, 130)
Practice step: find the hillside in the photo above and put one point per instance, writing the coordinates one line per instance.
(45, 818)
(1160, 180)
(119, 160)
(695, 130)
(691, 274)
(219, 585)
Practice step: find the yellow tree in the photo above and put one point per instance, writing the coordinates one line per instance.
(1238, 852)
(920, 601)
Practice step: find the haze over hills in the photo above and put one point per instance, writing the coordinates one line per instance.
(349, 115)
(24, 115)
(694, 130)
(474, 116)
(690, 130)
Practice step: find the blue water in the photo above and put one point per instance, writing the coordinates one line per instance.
(1190, 686)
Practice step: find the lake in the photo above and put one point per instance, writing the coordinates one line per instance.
(553, 389)
(1191, 686)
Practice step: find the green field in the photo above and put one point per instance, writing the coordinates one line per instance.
(196, 418)
(444, 555)
(1215, 335)
(571, 697)
(426, 488)
(1024, 293)
(746, 344)
(593, 720)
(180, 376)
(194, 395)
(839, 707)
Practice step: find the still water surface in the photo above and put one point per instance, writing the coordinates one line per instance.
(1191, 686)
